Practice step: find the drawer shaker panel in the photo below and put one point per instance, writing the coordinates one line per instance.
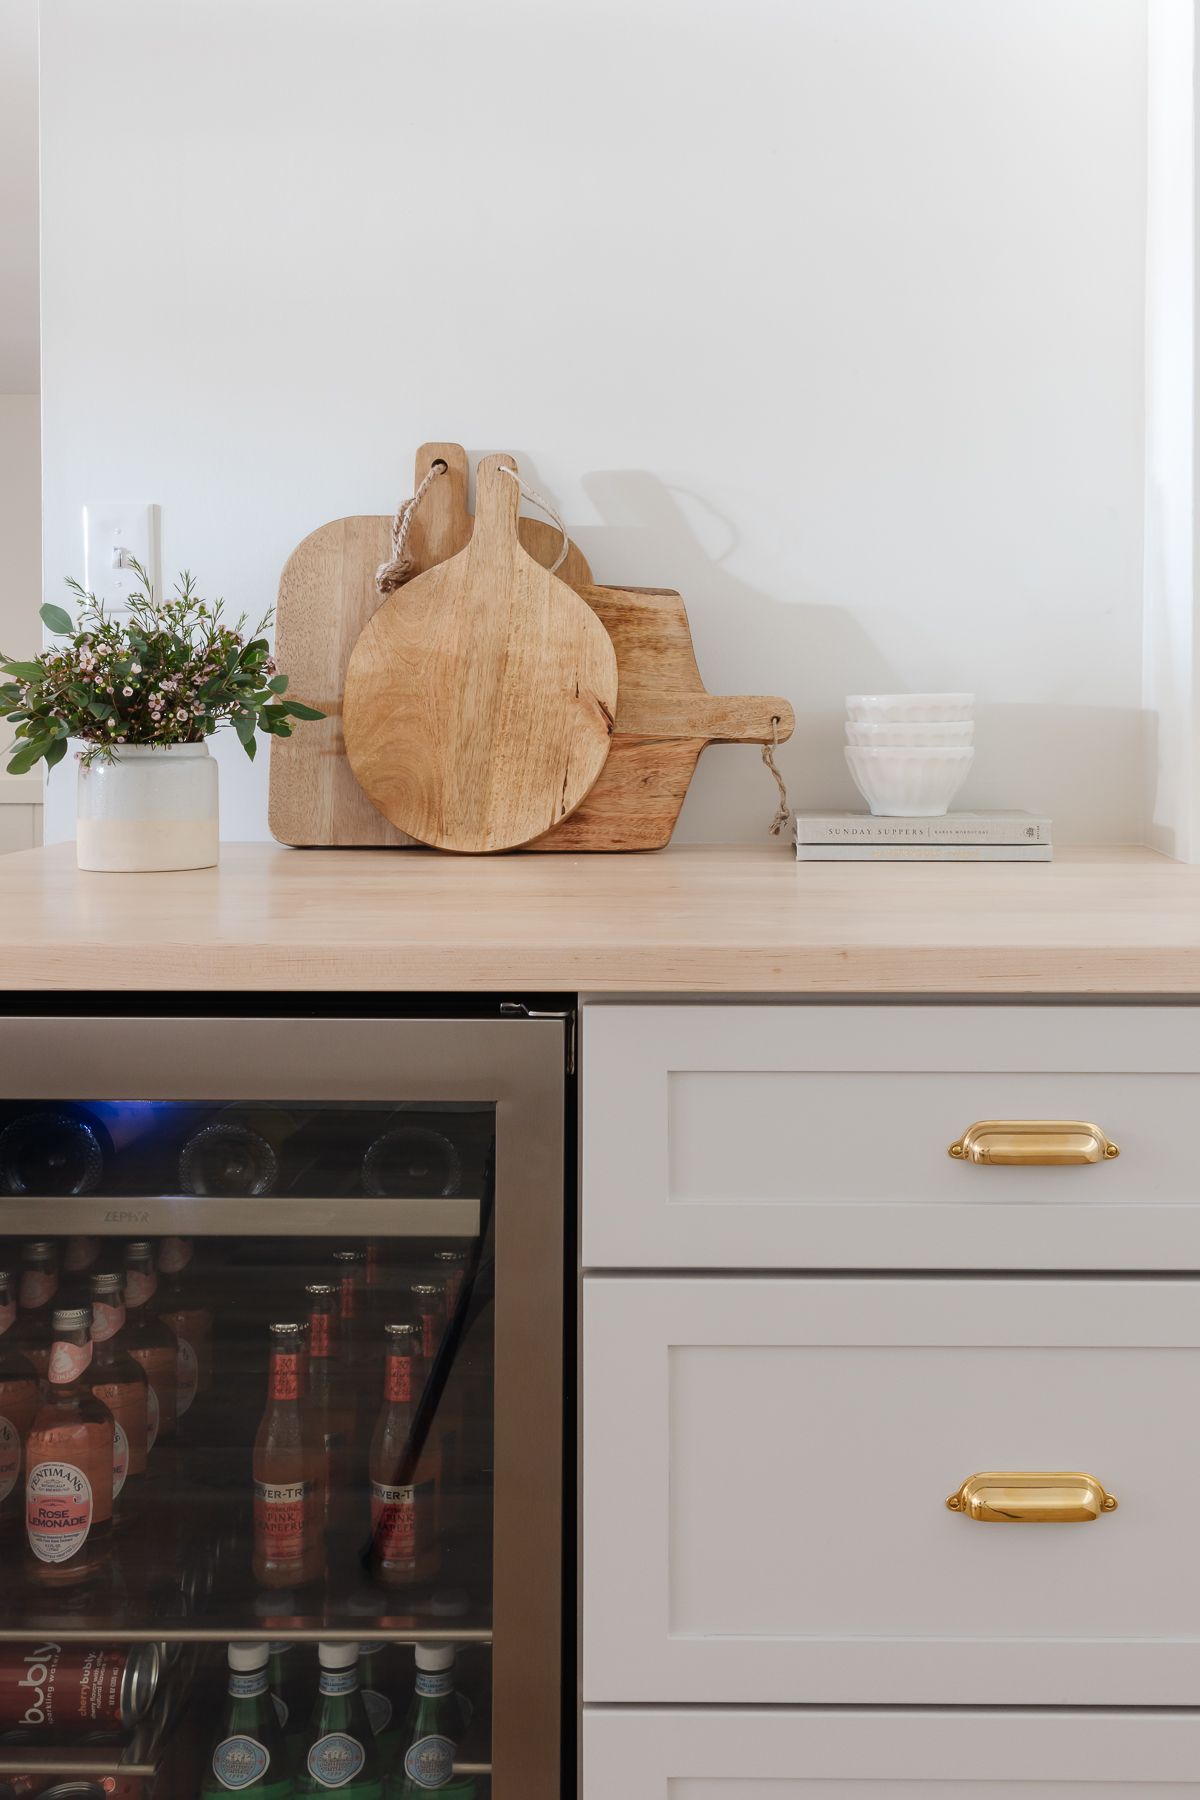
(755, 1754)
(891, 1137)
(952, 1491)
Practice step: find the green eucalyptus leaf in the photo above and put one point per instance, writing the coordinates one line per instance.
(298, 711)
(245, 724)
(27, 755)
(57, 751)
(57, 619)
(24, 671)
(278, 684)
(250, 746)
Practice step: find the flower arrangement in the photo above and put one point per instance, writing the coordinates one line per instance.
(171, 672)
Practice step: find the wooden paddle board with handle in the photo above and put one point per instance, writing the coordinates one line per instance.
(480, 697)
(665, 718)
(327, 593)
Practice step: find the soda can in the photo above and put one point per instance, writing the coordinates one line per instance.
(75, 1692)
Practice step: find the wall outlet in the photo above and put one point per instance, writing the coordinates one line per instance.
(114, 531)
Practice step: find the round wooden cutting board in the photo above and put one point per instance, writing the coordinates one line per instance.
(480, 697)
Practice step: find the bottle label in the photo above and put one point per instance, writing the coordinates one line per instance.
(285, 1376)
(120, 1458)
(68, 1361)
(8, 1316)
(429, 1335)
(174, 1255)
(348, 1297)
(153, 1416)
(107, 1320)
(281, 1517)
(188, 1375)
(429, 1763)
(398, 1384)
(320, 1334)
(435, 1683)
(378, 1709)
(10, 1456)
(399, 1520)
(140, 1285)
(58, 1510)
(335, 1759)
(338, 1681)
(244, 1684)
(38, 1288)
(238, 1762)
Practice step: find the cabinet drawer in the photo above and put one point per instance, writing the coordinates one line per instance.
(818, 1137)
(767, 1464)
(754, 1754)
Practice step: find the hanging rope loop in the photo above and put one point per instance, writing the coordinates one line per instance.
(399, 567)
(783, 811)
(543, 505)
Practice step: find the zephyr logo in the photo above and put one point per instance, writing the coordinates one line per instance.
(131, 1215)
(39, 1670)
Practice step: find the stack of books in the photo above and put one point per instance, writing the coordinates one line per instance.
(955, 837)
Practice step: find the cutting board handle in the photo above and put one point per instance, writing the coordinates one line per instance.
(497, 503)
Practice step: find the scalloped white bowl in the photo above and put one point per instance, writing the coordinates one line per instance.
(912, 737)
(908, 709)
(908, 784)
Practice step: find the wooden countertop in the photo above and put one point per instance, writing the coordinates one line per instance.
(702, 919)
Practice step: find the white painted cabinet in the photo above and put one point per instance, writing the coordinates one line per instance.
(806, 1325)
(766, 1468)
(650, 1753)
(733, 1137)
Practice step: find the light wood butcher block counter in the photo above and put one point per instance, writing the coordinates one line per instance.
(698, 919)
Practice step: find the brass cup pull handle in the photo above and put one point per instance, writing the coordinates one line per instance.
(1030, 1497)
(1047, 1143)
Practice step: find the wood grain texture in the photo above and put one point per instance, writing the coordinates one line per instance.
(665, 718)
(326, 595)
(694, 920)
(480, 697)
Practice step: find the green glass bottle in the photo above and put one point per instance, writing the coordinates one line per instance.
(248, 1756)
(431, 1733)
(340, 1751)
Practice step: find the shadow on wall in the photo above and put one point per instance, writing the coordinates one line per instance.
(1081, 764)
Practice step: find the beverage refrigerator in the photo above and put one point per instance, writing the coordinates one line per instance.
(281, 1401)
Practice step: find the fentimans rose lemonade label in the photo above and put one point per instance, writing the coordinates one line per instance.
(59, 1508)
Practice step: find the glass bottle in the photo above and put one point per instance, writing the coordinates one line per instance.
(120, 1382)
(404, 1544)
(150, 1342)
(18, 1404)
(228, 1157)
(68, 1462)
(79, 1260)
(332, 1407)
(248, 1755)
(450, 1267)
(412, 1162)
(340, 1751)
(50, 1152)
(35, 1302)
(287, 1524)
(291, 1694)
(381, 1677)
(431, 1732)
(180, 1306)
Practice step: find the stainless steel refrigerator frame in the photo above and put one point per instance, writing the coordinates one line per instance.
(518, 1065)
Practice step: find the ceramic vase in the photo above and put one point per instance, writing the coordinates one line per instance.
(153, 806)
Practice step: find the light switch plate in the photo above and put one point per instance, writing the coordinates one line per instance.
(112, 531)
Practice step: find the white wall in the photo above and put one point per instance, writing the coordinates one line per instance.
(1171, 661)
(828, 312)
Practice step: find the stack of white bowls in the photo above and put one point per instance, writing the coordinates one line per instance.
(909, 753)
